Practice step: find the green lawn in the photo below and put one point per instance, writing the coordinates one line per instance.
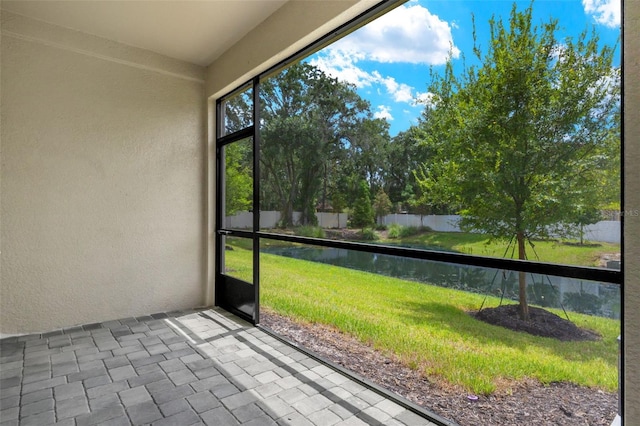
(428, 327)
(481, 245)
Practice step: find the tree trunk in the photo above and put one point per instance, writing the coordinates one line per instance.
(324, 189)
(286, 219)
(522, 279)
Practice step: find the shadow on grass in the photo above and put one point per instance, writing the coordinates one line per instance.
(470, 329)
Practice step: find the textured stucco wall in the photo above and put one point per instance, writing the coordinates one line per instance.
(632, 203)
(102, 176)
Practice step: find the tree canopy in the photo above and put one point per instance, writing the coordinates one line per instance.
(318, 135)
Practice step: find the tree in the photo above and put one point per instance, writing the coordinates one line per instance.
(306, 117)
(368, 150)
(585, 215)
(238, 178)
(339, 204)
(516, 138)
(237, 112)
(405, 155)
(382, 204)
(362, 213)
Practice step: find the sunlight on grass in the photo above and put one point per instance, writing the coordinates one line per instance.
(428, 327)
(482, 245)
(238, 260)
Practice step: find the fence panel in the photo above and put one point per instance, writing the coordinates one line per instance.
(603, 231)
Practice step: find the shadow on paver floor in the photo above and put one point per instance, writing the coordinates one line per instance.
(179, 368)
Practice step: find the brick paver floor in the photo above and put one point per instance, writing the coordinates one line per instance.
(182, 368)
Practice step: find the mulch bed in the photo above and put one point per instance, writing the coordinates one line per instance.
(541, 323)
(522, 403)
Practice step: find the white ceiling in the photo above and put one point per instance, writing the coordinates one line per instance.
(193, 31)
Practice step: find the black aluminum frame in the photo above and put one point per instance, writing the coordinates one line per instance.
(231, 292)
(543, 268)
(587, 273)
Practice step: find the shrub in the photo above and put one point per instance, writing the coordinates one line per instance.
(399, 231)
(582, 301)
(407, 231)
(369, 234)
(394, 230)
(310, 231)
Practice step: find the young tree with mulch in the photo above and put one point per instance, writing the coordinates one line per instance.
(517, 139)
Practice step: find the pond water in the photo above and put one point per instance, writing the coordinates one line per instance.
(588, 297)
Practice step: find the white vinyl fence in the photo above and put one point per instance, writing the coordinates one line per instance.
(607, 231)
(270, 219)
(603, 231)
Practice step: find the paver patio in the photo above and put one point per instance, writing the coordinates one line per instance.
(181, 368)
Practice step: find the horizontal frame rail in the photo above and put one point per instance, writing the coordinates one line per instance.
(544, 268)
(245, 133)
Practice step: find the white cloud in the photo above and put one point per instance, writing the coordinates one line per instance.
(399, 91)
(409, 33)
(425, 98)
(342, 66)
(605, 12)
(383, 112)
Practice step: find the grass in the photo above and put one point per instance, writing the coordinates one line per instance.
(428, 328)
(238, 258)
(482, 245)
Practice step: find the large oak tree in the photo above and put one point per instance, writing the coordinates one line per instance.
(315, 133)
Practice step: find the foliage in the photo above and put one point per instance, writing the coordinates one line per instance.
(367, 153)
(310, 231)
(585, 215)
(394, 231)
(405, 154)
(338, 202)
(382, 204)
(313, 127)
(586, 301)
(517, 140)
(362, 214)
(609, 167)
(238, 111)
(369, 234)
(399, 231)
(238, 179)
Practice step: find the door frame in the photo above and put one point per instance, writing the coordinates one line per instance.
(237, 296)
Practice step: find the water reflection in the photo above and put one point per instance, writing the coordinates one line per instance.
(588, 297)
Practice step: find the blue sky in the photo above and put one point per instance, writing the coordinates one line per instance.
(389, 59)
